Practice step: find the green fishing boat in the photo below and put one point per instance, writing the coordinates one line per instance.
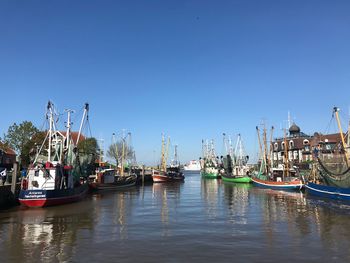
(208, 175)
(209, 163)
(236, 179)
(235, 164)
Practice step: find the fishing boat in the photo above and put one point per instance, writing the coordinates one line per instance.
(209, 163)
(114, 179)
(109, 179)
(235, 164)
(171, 173)
(58, 180)
(192, 166)
(283, 177)
(330, 175)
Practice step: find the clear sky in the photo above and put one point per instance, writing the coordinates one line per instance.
(190, 69)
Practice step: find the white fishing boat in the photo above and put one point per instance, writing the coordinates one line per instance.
(59, 179)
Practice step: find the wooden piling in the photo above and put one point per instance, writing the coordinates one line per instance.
(14, 178)
(143, 174)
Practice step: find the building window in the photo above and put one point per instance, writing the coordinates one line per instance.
(306, 142)
(307, 148)
(291, 144)
(295, 155)
(275, 146)
(282, 145)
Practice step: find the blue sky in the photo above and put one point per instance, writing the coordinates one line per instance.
(190, 69)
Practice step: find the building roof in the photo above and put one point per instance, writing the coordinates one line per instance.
(6, 149)
(325, 138)
(294, 128)
(74, 136)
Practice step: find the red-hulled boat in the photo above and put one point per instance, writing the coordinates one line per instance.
(171, 173)
(59, 180)
(295, 184)
(169, 176)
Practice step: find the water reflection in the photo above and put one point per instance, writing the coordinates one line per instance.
(46, 234)
(163, 194)
(113, 213)
(237, 199)
(199, 219)
(210, 192)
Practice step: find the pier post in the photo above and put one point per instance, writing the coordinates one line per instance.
(143, 174)
(14, 178)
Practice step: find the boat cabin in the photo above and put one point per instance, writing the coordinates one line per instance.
(50, 177)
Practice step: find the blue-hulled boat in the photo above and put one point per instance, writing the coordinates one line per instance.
(330, 175)
(328, 191)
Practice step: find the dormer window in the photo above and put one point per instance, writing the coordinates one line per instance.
(275, 146)
(306, 142)
(282, 145)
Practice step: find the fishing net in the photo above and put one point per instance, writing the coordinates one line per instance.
(334, 170)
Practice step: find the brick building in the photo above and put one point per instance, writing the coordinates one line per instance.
(301, 146)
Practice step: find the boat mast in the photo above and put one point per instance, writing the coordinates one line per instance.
(286, 159)
(336, 110)
(271, 146)
(66, 147)
(224, 143)
(122, 159)
(86, 114)
(239, 151)
(175, 163)
(267, 161)
(263, 159)
(166, 153)
(49, 108)
(230, 147)
(202, 148)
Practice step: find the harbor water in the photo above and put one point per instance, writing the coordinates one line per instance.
(195, 221)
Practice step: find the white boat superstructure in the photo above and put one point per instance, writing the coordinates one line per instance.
(193, 165)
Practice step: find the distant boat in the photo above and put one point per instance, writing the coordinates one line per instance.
(193, 166)
(171, 173)
(282, 178)
(209, 163)
(108, 179)
(58, 180)
(236, 169)
(330, 176)
(113, 179)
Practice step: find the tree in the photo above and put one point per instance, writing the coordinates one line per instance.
(19, 135)
(88, 152)
(31, 148)
(115, 152)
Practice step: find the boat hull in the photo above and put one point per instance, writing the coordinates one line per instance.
(165, 178)
(292, 185)
(210, 175)
(111, 186)
(44, 198)
(236, 179)
(328, 191)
